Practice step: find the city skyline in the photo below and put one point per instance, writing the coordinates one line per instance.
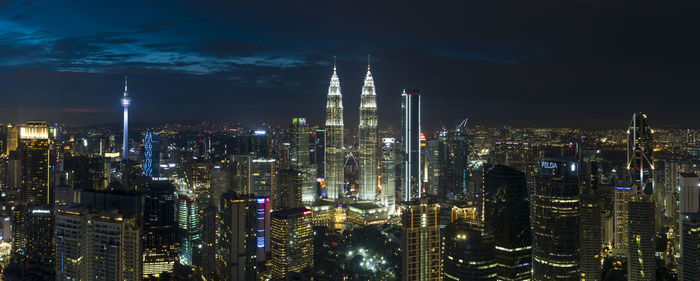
(606, 55)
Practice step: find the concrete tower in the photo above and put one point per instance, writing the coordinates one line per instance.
(334, 139)
(126, 100)
(368, 139)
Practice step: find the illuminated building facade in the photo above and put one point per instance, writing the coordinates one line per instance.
(507, 213)
(262, 177)
(366, 213)
(32, 218)
(161, 232)
(188, 222)
(388, 176)
(82, 238)
(640, 153)
(432, 161)
(641, 263)
(334, 140)
(469, 252)
(242, 173)
(368, 140)
(238, 237)
(422, 251)
(291, 242)
(263, 227)
(621, 216)
(410, 123)
(300, 156)
(151, 155)
(555, 221)
(126, 101)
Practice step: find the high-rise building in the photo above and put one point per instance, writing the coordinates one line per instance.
(160, 226)
(300, 156)
(690, 249)
(97, 245)
(410, 121)
(507, 215)
(432, 160)
(367, 140)
(263, 227)
(621, 216)
(555, 221)
(36, 157)
(126, 101)
(640, 150)
(457, 177)
(207, 255)
(590, 237)
(242, 173)
(237, 239)
(188, 222)
(689, 226)
(291, 242)
(388, 175)
(262, 177)
(421, 244)
(469, 252)
(32, 218)
(641, 263)
(287, 193)
(334, 140)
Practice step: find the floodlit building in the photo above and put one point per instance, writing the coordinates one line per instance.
(421, 244)
(368, 140)
(334, 139)
(291, 242)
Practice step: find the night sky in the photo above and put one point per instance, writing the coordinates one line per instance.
(584, 63)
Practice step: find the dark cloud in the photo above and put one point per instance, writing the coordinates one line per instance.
(524, 62)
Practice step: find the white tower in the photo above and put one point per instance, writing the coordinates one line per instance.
(125, 103)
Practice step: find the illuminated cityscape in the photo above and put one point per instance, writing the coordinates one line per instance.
(486, 141)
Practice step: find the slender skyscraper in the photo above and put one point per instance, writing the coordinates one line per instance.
(334, 139)
(410, 109)
(368, 140)
(125, 103)
(555, 221)
(640, 149)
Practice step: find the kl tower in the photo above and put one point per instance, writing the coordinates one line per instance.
(125, 103)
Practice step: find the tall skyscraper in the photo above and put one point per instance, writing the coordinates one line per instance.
(388, 176)
(161, 231)
(590, 237)
(469, 253)
(126, 101)
(690, 249)
(32, 218)
(238, 240)
(334, 139)
(291, 242)
(641, 263)
(422, 254)
(689, 226)
(410, 109)
(368, 140)
(555, 221)
(640, 150)
(287, 193)
(621, 216)
(300, 156)
(507, 216)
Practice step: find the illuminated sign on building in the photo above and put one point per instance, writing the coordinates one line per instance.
(40, 211)
(549, 165)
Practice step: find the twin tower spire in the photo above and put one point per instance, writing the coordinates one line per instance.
(367, 137)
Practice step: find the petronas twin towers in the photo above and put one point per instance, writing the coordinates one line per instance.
(367, 140)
